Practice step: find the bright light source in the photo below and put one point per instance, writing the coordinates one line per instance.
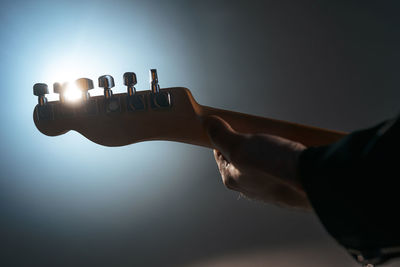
(72, 93)
(69, 67)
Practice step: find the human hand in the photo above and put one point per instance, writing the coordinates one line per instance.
(259, 166)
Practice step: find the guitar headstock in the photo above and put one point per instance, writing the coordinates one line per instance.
(119, 119)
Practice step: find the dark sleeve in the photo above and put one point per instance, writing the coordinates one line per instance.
(353, 187)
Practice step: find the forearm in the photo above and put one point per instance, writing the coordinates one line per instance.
(351, 186)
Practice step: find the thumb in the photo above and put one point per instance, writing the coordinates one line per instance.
(221, 135)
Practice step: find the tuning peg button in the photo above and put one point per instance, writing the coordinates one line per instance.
(57, 88)
(40, 89)
(85, 85)
(107, 82)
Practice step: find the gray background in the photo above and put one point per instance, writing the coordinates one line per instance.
(65, 201)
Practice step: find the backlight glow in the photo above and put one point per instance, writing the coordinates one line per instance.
(69, 67)
(72, 93)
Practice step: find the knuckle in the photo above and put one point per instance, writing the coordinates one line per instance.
(229, 182)
(221, 167)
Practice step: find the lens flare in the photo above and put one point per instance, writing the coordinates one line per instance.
(72, 93)
(66, 69)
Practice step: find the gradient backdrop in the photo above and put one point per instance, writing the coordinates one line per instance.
(65, 201)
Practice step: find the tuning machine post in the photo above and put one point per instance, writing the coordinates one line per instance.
(89, 106)
(107, 82)
(133, 100)
(85, 84)
(59, 89)
(63, 109)
(41, 90)
(112, 104)
(158, 99)
(44, 109)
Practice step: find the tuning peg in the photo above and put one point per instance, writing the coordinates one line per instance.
(107, 82)
(63, 110)
(85, 85)
(112, 104)
(134, 101)
(155, 87)
(130, 81)
(158, 99)
(44, 111)
(59, 88)
(40, 90)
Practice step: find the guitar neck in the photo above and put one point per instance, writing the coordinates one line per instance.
(180, 122)
(244, 123)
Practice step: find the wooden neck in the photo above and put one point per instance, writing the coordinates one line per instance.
(244, 123)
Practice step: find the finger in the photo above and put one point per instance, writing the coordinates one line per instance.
(222, 163)
(229, 178)
(222, 136)
(218, 156)
(225, 169)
